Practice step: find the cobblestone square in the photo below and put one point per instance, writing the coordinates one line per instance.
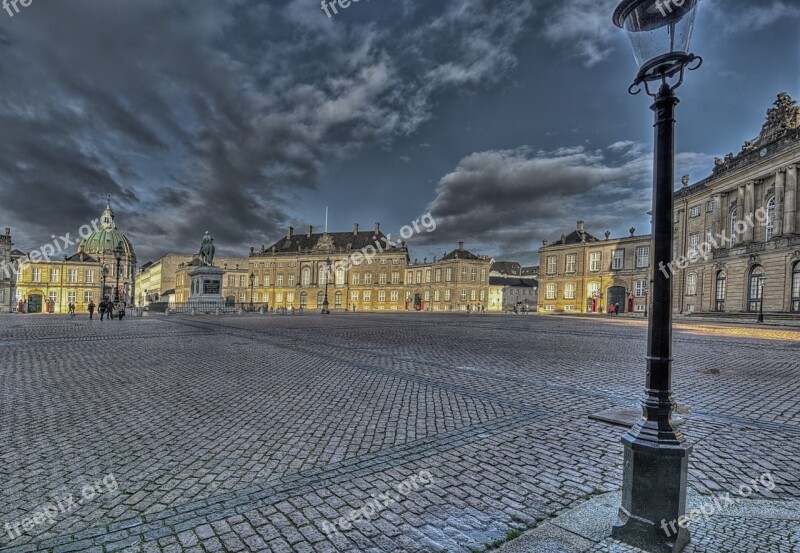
(266, 433)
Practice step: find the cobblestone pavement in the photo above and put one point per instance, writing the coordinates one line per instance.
(257, 433)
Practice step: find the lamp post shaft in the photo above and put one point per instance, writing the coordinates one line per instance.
(656, 454)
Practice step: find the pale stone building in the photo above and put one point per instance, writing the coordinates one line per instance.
(156, 279)
(459, 281)
(583, 274)
(747, 215)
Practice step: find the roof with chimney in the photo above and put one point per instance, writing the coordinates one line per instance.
(514, 282)
(461, 253)
(577, 236)
(323, 242)
(507, 268)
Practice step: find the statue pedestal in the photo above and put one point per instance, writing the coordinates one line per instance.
(206, 289)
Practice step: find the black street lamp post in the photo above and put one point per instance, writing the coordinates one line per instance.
(104, 271)
(252, 286)
(325, 310)
(118, 251)
(656, 453)
(762, 278)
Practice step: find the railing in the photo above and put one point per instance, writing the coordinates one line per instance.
(214, 308)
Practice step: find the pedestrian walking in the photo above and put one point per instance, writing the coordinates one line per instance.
(103, 307)
(90, 307)
(611, 309)
(616, 309)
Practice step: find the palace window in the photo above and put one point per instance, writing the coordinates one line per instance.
(436, 295)
(72, 276)
(382, 296)
(755, 289)
(770, 226)
(356, 279)
(642, 257)
(320, 298)
(280, 280)
(266, 280)
(449, 274)
(88, 276)
(595, 258)
(474, 274)
(694, 241)
(72, 297)
(694, 211)
(382, 278)
(569, 291)
(447, 295)
(396, 277)
(303, 299)
(291, 280)
(437, 275)
(551, 292)
(53, 275)
(641, 288)
(419, 277)
(87, 297)
(618, 260)
(53, 299)
(720, 292)
(305, 277)
(337, 300)
(340, 276)
(552, 263)
(463, 295)
(572, 263)
(473, 295)
(463, 274)
(732, 229)
(710, 206)
(231, 281)
(242, 281)
(289, 297)
(354, 297)
(691, 284)
(396, 296)
(368, 279)
(796, 288)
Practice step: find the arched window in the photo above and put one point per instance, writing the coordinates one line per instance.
(304, 298)
(796, 288)
(734, 215)
(305, 277)
(755, 289)
(722, 282)
(339, 276)
(337, 300)
(770, 222)
(323, 275)
(320, 299)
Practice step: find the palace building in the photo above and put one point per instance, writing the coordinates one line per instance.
(87, 276)
(297, 269)
(459, 281)
(746, 214)
(583, 274)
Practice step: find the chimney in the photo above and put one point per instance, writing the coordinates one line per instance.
(290, 233)
(377, 228)
(310, 231)
(461, 246)
(580, 226)
(8, 231)
(355, 229)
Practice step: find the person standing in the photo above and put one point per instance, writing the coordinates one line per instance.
(90, 307)
(103, 306)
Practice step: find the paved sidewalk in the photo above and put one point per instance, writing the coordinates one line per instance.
(248, 433)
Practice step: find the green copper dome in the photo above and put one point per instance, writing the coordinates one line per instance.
(102, 241)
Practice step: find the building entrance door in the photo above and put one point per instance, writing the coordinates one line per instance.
(34, 303)
(617, 295)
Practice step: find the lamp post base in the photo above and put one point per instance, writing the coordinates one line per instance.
(325, 310)
(654, 491)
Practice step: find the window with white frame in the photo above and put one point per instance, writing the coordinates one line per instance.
(691, 284)
(618, 260)
(569, 291)
(770, 223)
(571, 264)
(595, 259)
(72, 296)
(641, 288)
(447, 295)
(710, 206)
(87, 296)
(694, 211)
(72, 276)
(550, 292)
(381, 295)
(53, 275)
(382, 278)
(463, 295)
(88, 276)
(732, 229)
(642, 257)
(552, 263)
(694, 241)
(36, 275)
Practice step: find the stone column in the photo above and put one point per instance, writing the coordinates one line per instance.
(780, 189)
(749, 211)
(717, 214)
(790, 223)
(740, 211)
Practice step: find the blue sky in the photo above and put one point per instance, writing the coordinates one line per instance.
(507, 119)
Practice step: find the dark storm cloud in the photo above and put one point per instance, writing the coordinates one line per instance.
(517, 197)
(197, 114)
